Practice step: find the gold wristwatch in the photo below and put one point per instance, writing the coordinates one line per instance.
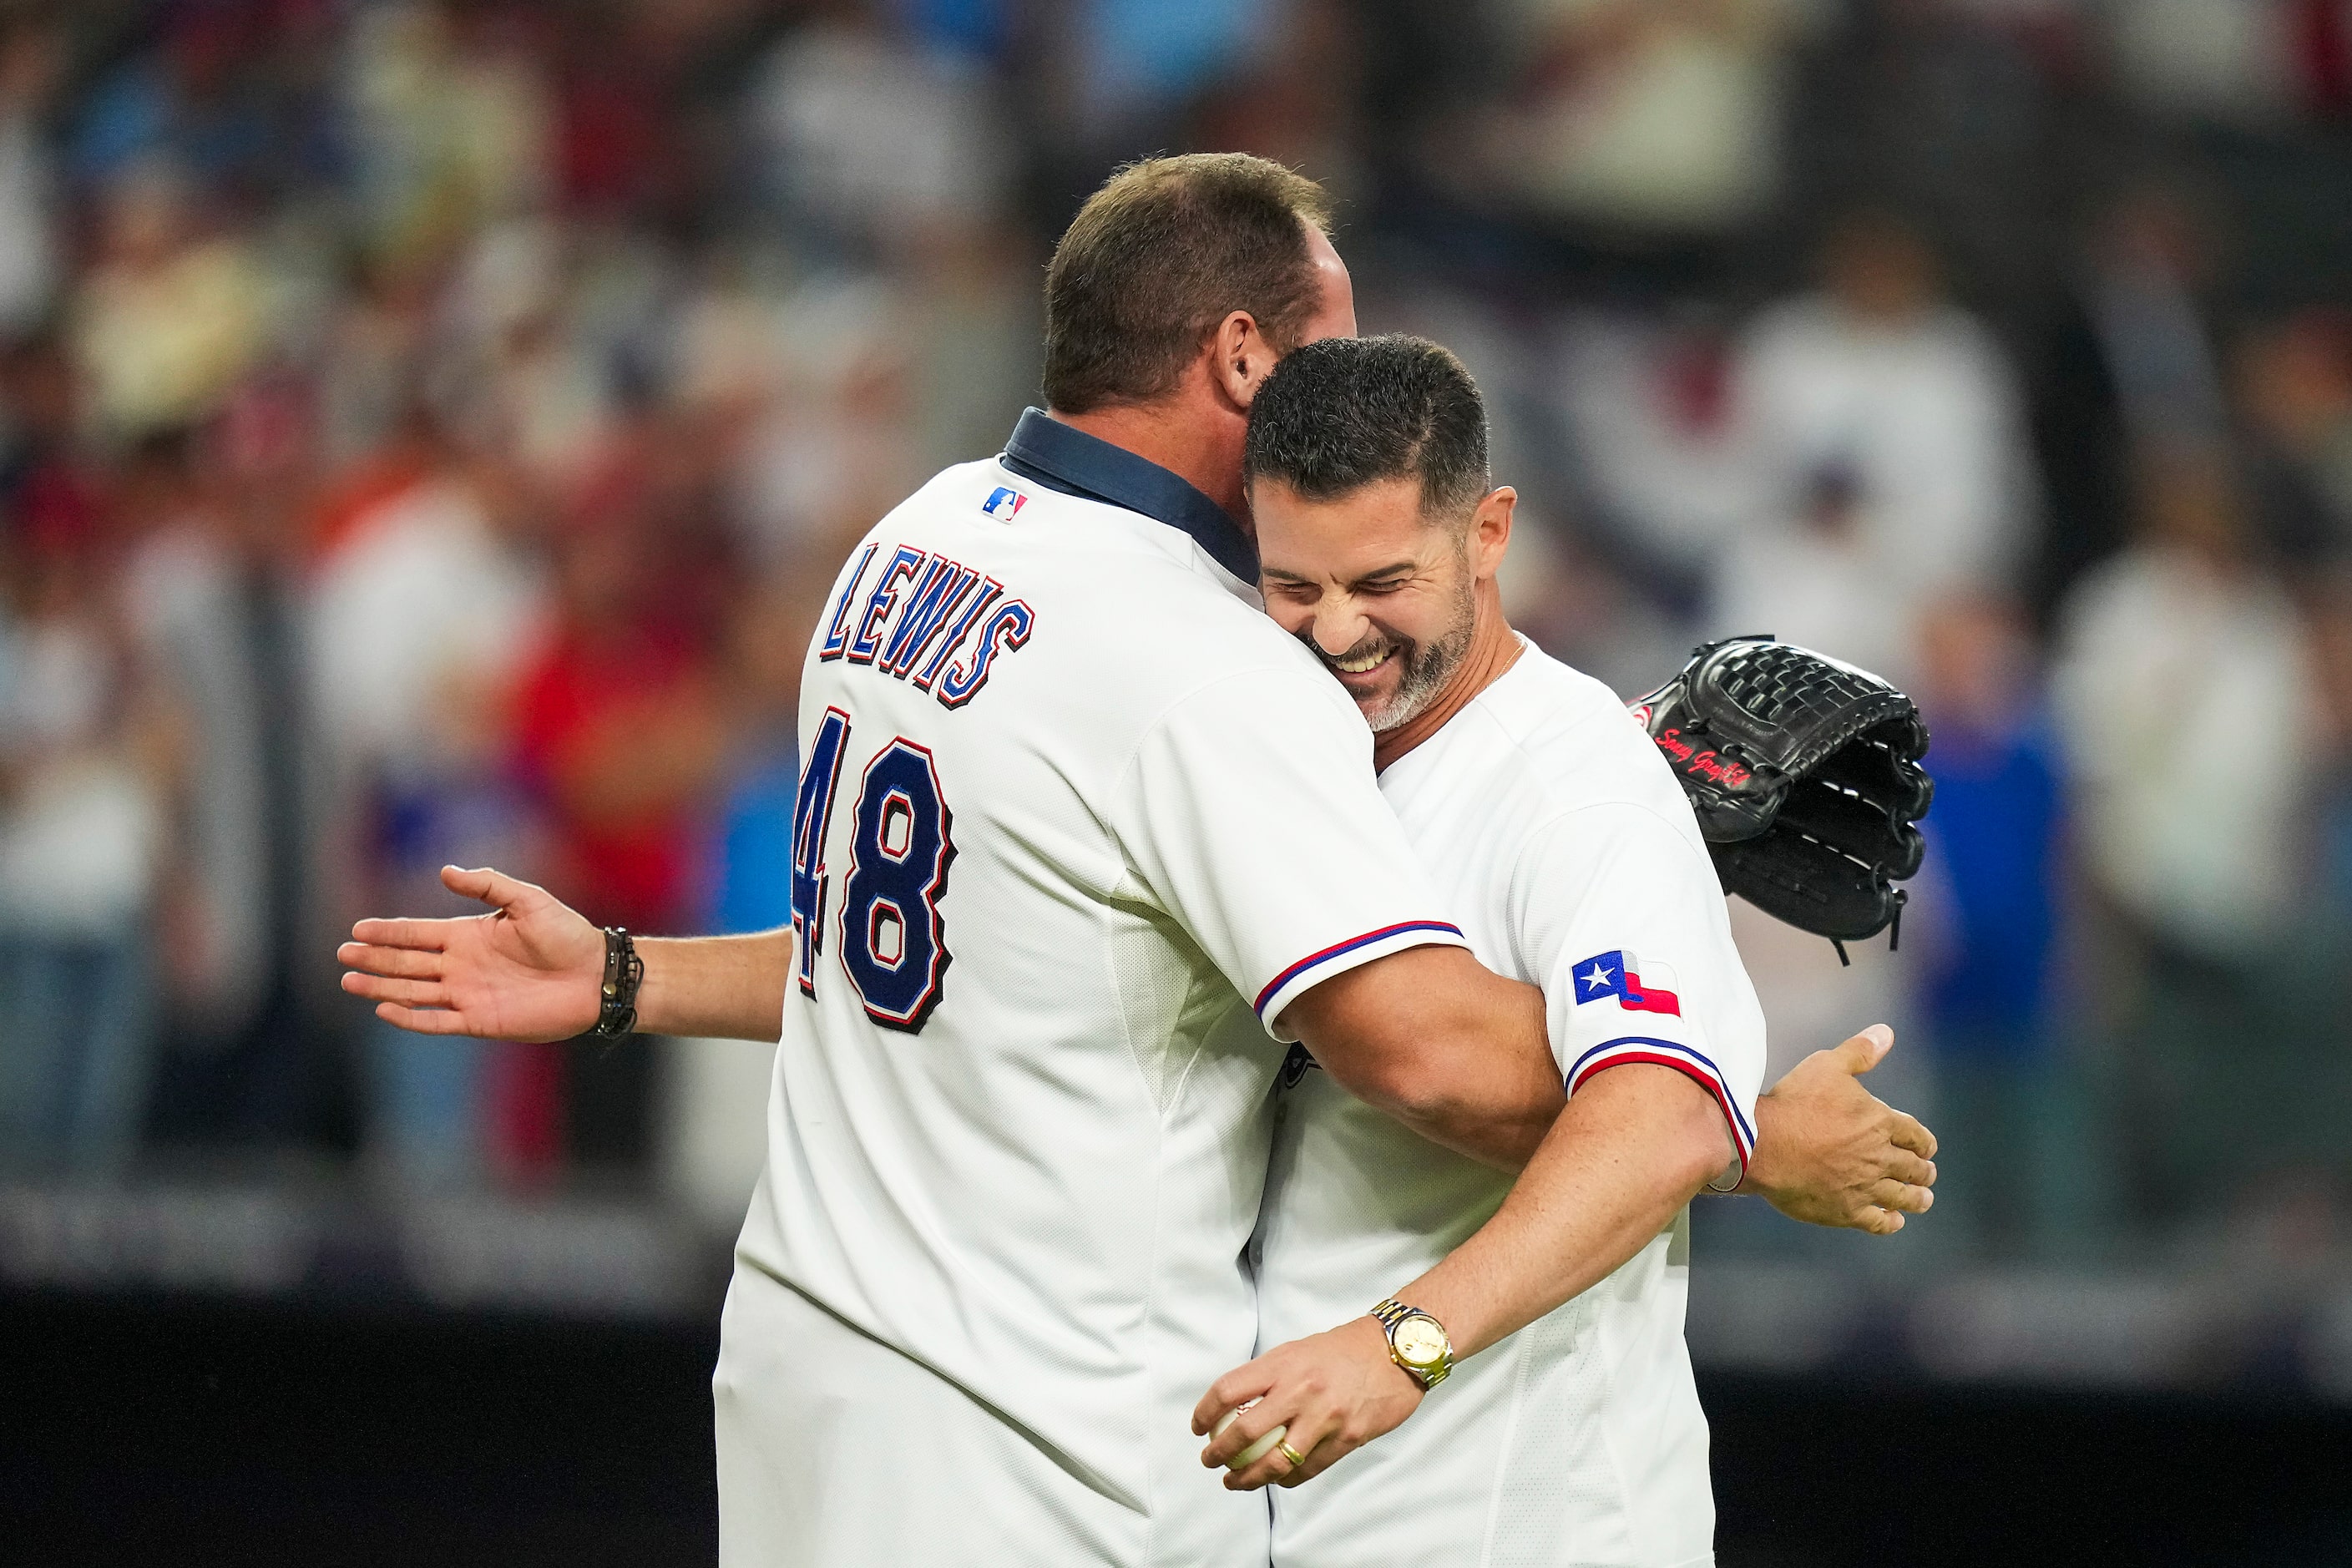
(1417, 1342)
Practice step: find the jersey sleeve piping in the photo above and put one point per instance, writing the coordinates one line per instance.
(1683, 1059)
(1340, 957)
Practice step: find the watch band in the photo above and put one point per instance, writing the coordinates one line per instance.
(624, 972)
(1390, 1313)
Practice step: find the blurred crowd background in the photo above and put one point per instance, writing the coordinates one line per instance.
(426, 430)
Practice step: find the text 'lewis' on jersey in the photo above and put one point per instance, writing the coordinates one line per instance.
(927, 620)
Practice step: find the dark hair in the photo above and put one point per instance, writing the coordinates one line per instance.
(1156, 257)
(1344, 413)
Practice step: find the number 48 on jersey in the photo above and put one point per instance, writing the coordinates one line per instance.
(893, 939)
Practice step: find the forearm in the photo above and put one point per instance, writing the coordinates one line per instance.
(726, 987)
(1499, 1117)
(1632, 1147)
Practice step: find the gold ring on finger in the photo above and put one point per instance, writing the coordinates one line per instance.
(1298, 1460)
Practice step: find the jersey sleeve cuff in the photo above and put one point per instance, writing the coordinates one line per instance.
(1342, 957)
(1683, 1059)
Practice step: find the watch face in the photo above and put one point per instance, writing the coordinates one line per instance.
(1420, 1341)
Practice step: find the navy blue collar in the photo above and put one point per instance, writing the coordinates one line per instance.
(1062, 457)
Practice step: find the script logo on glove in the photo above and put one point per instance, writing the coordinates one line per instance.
(1700, 764)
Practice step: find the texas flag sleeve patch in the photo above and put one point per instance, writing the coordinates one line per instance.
(1619, 973)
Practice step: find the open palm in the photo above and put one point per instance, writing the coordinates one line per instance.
(531, 969)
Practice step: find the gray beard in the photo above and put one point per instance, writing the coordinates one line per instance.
(1427, 666)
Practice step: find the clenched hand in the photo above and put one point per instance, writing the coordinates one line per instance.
(1336, 1391)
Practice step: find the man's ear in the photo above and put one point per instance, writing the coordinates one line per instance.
(1239, 358)
(1490, 529)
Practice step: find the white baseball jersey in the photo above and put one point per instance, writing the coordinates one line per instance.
(1076, 823)
(1564, 846)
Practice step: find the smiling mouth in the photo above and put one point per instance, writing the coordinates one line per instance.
(1364, 663)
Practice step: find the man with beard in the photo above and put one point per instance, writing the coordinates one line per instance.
(1568, 1430)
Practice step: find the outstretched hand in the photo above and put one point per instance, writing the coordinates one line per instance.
(1830, 1153)
(531, 969)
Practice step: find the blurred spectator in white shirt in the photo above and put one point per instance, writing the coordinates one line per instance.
(415, 615)
(1655, 116)
(82, 749)
(2184, 690)
(1819, 582)
(2186, 696)
(1650, 407)
(2258, 64)
(835, 439)
(516, 358)
(872, 142)
(1880, 377)
(419, 620)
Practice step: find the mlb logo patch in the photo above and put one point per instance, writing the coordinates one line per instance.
(1617, 975)
(1002, 503)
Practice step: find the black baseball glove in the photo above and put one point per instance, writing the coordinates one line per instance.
(1804, 773)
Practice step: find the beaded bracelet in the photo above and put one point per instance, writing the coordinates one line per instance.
(624, 972)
